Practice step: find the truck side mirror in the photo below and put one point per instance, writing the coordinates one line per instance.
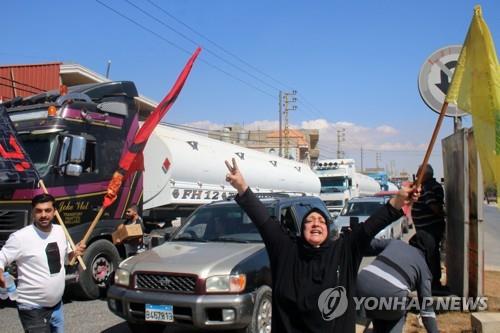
(77, 151)
(74, 170)
(72, 155)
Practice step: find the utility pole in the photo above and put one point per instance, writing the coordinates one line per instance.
(340, 139)
(378, 158)
(290, 99)
(280, 129)
(108, 67)
(362, 159)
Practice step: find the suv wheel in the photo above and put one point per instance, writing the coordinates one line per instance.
(262, 312)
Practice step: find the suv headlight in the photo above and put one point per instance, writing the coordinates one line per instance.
(226, 283)
(122, 277)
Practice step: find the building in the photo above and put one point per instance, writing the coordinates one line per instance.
(32, 79)
(302, 144)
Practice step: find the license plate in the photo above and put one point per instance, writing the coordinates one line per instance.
(163, 313)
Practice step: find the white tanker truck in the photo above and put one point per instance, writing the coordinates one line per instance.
(184, 170)
(340, 182)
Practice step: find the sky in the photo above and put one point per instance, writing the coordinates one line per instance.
(354, 64)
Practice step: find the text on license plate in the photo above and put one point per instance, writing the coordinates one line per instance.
(163, 313)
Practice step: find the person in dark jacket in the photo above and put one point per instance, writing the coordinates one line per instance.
(313, 277)
(428, 215)
(397, 270)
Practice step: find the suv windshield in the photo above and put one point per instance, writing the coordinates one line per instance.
(224, 223)
(361, 208)
(41, 149)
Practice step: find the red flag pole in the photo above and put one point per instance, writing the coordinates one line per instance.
(129, 162)
(420, 175)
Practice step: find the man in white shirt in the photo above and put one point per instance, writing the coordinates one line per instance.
(39, 250)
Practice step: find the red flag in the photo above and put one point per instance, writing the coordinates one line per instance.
(132, 160)
(15, 165)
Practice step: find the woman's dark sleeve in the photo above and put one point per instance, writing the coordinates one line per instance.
(272, 233)
(364, 232)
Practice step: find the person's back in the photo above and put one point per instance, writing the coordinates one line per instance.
(397, 270)
(407, 258)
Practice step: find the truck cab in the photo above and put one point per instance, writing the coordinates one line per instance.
(336, 177)
(75, 140)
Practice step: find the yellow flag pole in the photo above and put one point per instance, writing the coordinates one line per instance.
(439, 122)
(91, 228)
(65, 230)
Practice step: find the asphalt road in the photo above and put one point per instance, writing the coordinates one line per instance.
(492, 236)
(80, 316)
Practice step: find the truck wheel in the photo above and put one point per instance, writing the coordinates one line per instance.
(146, 327)
(262, 312)
(101, 259)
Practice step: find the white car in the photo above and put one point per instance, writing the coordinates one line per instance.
(363, 208)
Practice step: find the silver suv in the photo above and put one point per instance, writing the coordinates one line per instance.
(213, 272)
(362, 208)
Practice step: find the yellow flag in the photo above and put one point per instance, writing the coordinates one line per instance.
(475, 88)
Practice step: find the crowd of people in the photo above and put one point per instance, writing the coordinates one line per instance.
(304, 268)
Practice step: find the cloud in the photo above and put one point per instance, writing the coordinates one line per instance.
(315, 124)
(352, 136)
(392, 145)
(387, 130)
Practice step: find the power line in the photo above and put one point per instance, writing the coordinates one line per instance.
(307, 108)
(196, 43)
(183, 49)
(18, 88)
(218, 46)
(19, 82)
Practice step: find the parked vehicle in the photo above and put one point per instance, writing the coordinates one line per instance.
(340, 182)
(361, 209)
(213, 273)
(75, 141)
(383, 179)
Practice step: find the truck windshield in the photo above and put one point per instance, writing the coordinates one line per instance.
(333, 184)
(225, 223)
(41, 149)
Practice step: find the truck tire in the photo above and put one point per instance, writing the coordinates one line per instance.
(101, 259)
(146, 327)
(262, 312)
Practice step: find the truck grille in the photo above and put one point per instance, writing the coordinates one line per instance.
(334, 203)
(165, 282)
(12, 220)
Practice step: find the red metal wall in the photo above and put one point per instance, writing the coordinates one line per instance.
(26, 80)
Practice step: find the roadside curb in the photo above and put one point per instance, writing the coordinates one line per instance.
(492, 268)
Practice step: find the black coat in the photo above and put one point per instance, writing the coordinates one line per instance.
(301, 275)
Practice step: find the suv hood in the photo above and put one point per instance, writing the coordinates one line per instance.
(202, 259)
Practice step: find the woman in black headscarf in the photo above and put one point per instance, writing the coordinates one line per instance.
(313, 277)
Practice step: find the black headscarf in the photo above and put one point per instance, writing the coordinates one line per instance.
(423, 241)
(313, 262)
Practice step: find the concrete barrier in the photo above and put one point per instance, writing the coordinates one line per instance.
(485, 322)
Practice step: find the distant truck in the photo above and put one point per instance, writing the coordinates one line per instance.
(75, 141)
(340, 182)
(383, 179)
